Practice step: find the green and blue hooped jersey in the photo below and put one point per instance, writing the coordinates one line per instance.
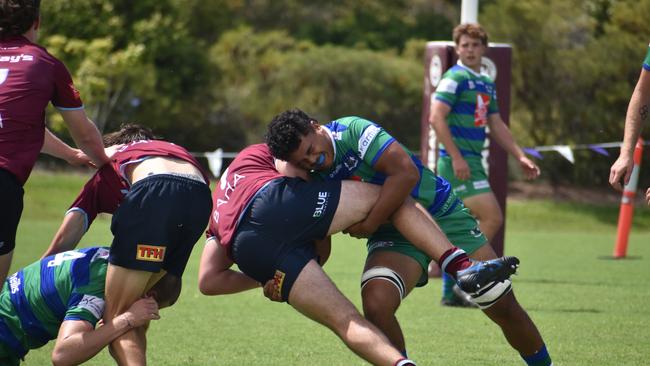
(37, 299)
(359, 143)
(646, 62)
(472, 97)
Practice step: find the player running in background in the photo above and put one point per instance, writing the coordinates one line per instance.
(637, 114)
(465, 104)
(29, 79)
(160, 201)
(267, 223)
(357, 149)
(62, 297)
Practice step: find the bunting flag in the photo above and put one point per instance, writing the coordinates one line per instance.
(215, 158)
(532, 151)
(599, 150)
(215, 161)
(565, 151)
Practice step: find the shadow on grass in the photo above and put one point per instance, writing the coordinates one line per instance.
(564, 310)
(547, 281)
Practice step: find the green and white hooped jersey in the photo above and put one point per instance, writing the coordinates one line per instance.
(359, 143)
(646, 62)
(37, 299)
(471, 97)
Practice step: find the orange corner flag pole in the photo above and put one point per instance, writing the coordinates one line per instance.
(627, 205)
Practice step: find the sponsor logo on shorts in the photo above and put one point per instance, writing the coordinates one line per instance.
(278, 280)
(480, 184)
(150, 253)
(460, 188)
(380, 244)
(476, 232)
(321, 204)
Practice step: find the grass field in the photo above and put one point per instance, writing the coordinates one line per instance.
(591, 311)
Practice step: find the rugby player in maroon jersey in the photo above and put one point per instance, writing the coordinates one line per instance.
(160, 201)
(30, 78)
(267, 223)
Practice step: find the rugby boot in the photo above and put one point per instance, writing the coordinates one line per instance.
(488, 281)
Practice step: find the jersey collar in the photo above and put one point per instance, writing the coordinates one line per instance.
(329, 133)
(460, 63)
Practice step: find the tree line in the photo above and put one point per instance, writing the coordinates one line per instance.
(209, 74)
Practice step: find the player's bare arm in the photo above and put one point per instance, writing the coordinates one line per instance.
(438, 121)
(500, 132)
(85, 134)
(69, 233)
(78, 341)
(215, 274)
(637, 114)
(52, 145)
(401, 177)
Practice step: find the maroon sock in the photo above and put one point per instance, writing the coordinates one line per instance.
(454, 260)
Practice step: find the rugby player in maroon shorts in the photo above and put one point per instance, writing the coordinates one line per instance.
(267, 223)
(160, 201)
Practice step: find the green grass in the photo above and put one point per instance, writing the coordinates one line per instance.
(591, 311)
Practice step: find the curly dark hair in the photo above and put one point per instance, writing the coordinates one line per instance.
(127, 133)
(285, 132)
(17, 16)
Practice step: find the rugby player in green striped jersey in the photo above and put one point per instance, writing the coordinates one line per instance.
(464, 105)
(62, 297)
(358, 149)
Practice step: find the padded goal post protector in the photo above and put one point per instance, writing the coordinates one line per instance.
(440, 56)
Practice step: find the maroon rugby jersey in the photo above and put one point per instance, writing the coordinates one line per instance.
(29, 79)
(251, 170)
(106, 189)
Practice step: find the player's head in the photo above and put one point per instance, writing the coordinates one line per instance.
(295, 137)
(128, 133)
(166, 291)
(471, 43)
(18, 16)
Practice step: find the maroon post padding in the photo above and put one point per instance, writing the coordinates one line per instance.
(440, 56)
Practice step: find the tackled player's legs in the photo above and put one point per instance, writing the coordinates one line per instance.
(338, 314)
(411, 219)
(518, 328)
(130, 348)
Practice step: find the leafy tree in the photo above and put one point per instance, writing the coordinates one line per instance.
(263, 74)
(567, 86)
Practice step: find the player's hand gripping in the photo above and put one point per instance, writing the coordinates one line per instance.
(79, 158)
(141, 312)
(529, 168)
(619, 174)
(271, 291)
(361, 229)
(461, 169)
